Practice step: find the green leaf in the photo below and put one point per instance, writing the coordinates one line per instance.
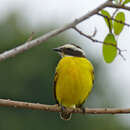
(118, 27)
(126, 2)
(108, 22)
(109, 51)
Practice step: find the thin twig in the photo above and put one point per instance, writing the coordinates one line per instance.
(109, 24)
(120, 53)
(114, 13)
(31, 37)
(94, 33)
(56, 108)
(92, 39)
(101, 42)
(118, 21)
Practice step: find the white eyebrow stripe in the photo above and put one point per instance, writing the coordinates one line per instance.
(73, 47)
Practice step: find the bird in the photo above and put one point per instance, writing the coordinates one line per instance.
(73, 80)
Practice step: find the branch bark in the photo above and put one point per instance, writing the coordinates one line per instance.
(55, 108)
(118, 6)
(29, 44)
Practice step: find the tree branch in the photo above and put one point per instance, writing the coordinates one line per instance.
(55, 108)
(29, 44)
(118, 6)
(101, 42)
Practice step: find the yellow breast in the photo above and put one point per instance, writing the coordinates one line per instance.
(73, 81)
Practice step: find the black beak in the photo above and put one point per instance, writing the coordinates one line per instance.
(57, 49)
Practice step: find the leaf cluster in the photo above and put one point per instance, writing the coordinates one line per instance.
(115, 24)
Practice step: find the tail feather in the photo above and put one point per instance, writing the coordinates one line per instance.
(65, 115)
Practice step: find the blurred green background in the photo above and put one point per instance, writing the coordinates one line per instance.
(29, 77)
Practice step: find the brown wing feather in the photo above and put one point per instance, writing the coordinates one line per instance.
(93, 76)
(55, 81)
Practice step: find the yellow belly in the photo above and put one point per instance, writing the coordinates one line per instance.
(74, 81)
